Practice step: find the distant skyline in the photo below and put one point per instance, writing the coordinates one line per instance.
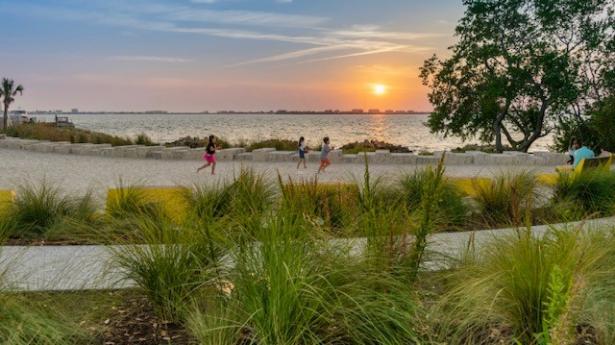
(197, 55)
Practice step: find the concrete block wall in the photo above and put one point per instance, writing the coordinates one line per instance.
(272, 155)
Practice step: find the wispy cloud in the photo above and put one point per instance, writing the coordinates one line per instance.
(182, 19)
(142, 58)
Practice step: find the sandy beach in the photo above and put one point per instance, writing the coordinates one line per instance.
(81, 173)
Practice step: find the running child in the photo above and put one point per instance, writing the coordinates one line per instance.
(324, 155)
(210, 155)
(302, 151)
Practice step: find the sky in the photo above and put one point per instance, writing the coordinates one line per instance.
(197, 55)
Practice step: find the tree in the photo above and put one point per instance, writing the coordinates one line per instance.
(519, 67)
(8, 91)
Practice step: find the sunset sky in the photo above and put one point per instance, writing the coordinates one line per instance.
(194, 55)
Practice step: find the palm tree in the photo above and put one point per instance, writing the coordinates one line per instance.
(8, 90)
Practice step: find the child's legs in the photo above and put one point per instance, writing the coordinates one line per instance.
(213, 168)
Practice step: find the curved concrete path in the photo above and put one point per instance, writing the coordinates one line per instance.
(91, 267)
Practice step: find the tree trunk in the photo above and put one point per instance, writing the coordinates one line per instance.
(539, 125)
(5, 120)
(498, 137)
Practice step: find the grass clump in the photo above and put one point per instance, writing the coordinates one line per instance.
(172, 265)
(590, 191)
(529, 290)
(38, 210)
(329, 205)
(507, 199)
(449, 209)
(293, 288)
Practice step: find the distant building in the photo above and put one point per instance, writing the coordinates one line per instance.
(357, 111)
(75, 110)
(389, 111)
(374, 111)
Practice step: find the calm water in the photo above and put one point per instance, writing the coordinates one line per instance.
(407, 130)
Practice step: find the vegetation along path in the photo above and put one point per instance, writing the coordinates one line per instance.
(52, 268)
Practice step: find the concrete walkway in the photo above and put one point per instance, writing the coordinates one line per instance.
(78, 174)
(54, 268)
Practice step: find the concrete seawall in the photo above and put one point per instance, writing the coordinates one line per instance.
(272, 155)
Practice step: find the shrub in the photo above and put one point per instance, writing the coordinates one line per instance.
(590, 191)
(278, 144)
(144, 139)
(525, 289)
(508, 199)
(371, 146)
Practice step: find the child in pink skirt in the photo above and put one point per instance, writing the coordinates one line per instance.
(210, 156)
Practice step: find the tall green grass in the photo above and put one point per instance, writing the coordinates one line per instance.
(330, 205)
(530, 290)
(293, 288)
(508, 199)
(38, 210)
(589, 192)
(24, 324)
(173, 265)
(449, 209)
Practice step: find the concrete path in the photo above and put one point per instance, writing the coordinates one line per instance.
(78, 174)
(91, 267)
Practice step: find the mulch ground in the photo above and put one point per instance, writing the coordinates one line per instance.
(135, 322)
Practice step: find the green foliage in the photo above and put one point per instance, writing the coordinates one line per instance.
(128, 202)
(516, 70)
(39, 209)
(508, 199)
(529, 286)
(172, 265)
(25, 324)
(143, 139)
(209, 203)
(278, 144)
(371, 146)
(590, 191)
(48, 131)
(294, 289)
(450, 209)
(329, 205)
(596, 129)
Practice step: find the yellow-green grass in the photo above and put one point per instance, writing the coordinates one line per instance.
(171, 200)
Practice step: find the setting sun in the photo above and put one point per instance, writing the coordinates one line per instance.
(379, 89)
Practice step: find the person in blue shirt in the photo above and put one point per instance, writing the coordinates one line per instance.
(581, 152)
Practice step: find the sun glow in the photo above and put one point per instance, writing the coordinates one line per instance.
(379, 89)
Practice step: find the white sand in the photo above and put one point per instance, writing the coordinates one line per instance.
(81, 173)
